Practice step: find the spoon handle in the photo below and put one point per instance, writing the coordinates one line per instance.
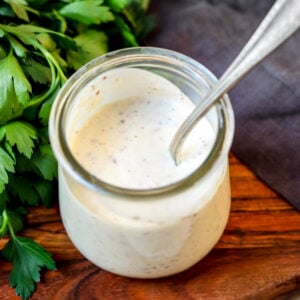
(282, 20)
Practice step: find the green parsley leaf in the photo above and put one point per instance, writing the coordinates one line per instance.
(46, 190)
(18, 48)
(14, 88)
(28, 258)
(91, 43)
(46, 107)
(21, 134)
(6, 164)
(88, 12)
(118, 5)
(19, 8)
(25, 192)
(45, 162)
(135, 15)
(9, 148)
(126, 32)
(37, 71)
(6, 11)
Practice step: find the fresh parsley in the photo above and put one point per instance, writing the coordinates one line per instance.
(41, 44)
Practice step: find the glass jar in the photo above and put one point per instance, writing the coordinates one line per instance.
(142, 232)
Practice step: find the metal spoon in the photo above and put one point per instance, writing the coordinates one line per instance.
(282, 20)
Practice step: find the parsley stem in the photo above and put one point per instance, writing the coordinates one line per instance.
(5, 223)
(51, 59)
(54, 83)
(58, 76)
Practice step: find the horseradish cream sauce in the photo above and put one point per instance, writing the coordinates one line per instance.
(122, 125)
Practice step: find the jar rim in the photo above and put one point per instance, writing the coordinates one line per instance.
(64, 155)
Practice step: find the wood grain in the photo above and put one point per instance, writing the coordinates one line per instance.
(258, 256)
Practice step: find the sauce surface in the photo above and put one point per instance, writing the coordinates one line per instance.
(125, 142)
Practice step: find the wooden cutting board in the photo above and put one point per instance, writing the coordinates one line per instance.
(258, 256)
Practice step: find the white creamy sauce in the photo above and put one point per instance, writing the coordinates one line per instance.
(120, 132)
(126, 142)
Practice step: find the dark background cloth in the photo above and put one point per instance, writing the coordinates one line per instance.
(266, 102)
